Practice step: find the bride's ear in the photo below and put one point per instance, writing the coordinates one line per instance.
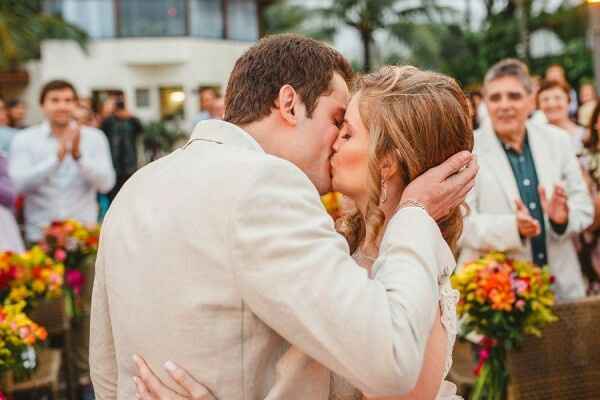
(285, 104)
(388, 167)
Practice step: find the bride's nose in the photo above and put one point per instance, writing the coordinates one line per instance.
(337, 143)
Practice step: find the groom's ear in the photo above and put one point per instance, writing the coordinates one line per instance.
(286, 102)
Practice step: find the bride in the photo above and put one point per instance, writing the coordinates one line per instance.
(400, 122)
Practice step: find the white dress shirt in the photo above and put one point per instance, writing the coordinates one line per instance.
(54, 189)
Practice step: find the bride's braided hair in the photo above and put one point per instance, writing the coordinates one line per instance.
(421, 118)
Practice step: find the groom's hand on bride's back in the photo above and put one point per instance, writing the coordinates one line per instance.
(442, 188)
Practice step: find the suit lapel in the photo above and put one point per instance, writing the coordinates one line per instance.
(493, 153)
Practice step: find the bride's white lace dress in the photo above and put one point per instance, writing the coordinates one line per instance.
(342, 390)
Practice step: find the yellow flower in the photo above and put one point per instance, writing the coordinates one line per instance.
(38, 286)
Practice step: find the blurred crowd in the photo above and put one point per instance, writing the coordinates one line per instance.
(72, 164)
(537, 195)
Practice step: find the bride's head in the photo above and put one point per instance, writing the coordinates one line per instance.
(400, 122)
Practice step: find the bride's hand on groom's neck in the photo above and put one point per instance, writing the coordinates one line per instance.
(442, 188)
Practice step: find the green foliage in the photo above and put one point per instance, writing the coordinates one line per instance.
(467, 54)
(365, 16)
(439, 39)
(159, 138)
(23, 27)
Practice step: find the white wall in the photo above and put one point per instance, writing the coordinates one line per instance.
(127, 64)
(31, 93)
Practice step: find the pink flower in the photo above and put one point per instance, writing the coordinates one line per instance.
(520, 305)
(521, 286)
(75, 280)
(60, 255)
(484, 354)
(24, 332)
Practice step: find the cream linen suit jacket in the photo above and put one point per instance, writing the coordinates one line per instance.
(491, 223)
(220, 256)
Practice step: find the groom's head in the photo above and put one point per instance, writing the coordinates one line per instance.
(291, 92)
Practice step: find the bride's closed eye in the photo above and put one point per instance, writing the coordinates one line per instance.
(347, 133)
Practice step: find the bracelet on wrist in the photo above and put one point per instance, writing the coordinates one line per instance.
(412, 203)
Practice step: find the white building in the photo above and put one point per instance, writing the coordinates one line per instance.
(155, 52)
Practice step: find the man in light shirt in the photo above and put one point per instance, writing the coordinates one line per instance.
(60, 166)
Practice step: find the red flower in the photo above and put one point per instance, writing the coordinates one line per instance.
(7, 276)
(37, 272)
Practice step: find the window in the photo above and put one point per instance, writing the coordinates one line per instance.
(172, 100)
(156, 18)
(242, 20)
(206, 18)
(142, 98)
(152, 18)
(84, 14)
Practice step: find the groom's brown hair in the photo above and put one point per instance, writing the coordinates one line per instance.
(305, 64)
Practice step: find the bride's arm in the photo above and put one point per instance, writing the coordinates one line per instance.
(432, 373)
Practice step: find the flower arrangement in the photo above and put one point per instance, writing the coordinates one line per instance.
(29, 277)
(18, 334)
(25, 278)
(503, 300)
(72, 243)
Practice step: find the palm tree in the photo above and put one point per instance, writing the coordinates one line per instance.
(370, 16)
(281, 16)
(366, 16)
(23, 27)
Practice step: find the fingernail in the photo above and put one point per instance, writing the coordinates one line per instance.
(136, 358)
(170, 366)
(135, 379)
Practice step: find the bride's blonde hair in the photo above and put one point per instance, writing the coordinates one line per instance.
(420, 118)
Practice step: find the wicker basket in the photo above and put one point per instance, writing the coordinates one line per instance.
(564, 364)
(51, 315)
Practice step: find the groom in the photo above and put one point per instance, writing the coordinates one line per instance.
(220, 255)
